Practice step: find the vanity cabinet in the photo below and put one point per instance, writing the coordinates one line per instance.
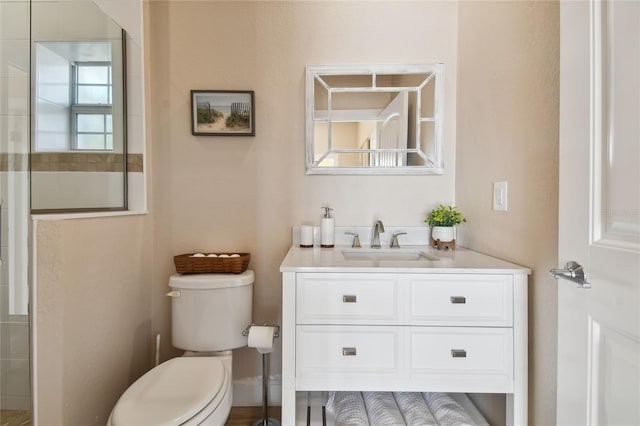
(395, 329)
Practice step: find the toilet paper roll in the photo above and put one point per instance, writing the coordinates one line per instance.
(261, 338)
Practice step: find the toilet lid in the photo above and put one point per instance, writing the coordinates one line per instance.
(171, 393)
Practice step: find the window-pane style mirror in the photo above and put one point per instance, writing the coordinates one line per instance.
(374, 119)
(78, 146)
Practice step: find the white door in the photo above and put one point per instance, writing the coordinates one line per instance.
(392, 129)
(599, 327)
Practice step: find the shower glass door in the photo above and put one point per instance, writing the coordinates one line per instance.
(15, 388)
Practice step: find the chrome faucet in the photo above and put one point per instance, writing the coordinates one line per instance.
(394, 239)
(378, 227)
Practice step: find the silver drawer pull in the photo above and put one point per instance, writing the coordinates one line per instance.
(348, 351)
(458, 299)
(349, 298)
(458, 353)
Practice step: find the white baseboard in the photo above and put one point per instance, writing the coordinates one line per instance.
(247, 392)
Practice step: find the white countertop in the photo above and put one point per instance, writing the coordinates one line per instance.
(460, 260)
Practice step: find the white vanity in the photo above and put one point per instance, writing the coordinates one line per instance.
(391, 321)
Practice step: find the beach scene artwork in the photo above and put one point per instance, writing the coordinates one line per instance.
(222, 113)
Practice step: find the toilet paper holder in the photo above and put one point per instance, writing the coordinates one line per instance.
(276, 331)
(265, 420)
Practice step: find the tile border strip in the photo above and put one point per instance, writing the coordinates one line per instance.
(71, 162)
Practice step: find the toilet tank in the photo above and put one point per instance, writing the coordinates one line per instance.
(211, 311)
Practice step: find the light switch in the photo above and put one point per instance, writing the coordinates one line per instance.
(500, 196)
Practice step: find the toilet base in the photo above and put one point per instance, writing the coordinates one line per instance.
(218, 417)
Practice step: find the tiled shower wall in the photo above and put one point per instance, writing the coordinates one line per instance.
(14, 180)
(14, 145)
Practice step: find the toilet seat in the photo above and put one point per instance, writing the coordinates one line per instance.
(173, 393)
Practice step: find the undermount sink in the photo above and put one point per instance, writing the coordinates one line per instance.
(397, 254)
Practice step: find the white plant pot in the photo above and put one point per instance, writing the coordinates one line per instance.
(444, 234)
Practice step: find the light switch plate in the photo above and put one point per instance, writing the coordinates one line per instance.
(500, 196)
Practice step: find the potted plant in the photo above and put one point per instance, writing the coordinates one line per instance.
(442, 221)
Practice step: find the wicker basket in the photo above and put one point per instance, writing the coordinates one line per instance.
(186, 264)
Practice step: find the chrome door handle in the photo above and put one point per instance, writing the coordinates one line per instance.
(573, 272)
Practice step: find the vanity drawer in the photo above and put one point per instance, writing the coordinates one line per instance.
(458, 299)
(462, 352)
(340, 352)
(347, 299)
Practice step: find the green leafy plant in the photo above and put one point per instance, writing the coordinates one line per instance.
(445, 216)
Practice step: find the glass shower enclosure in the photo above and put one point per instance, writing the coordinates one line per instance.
(15, 382)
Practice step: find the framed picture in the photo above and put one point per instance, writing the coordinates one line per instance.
(222, 113)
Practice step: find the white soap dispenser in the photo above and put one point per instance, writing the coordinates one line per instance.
(327, 229)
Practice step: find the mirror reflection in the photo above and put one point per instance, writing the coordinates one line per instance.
(374, 119)
(78, 148)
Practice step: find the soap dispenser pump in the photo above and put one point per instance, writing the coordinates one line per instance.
(327, 229)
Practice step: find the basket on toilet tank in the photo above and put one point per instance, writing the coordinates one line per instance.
(220, 263)
(210, 311)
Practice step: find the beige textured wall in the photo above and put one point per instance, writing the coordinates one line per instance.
(245, 193)
(93, 315)
(508, 83)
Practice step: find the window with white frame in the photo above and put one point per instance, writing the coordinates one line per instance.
(92, 106)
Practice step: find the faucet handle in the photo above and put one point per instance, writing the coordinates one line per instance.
(394, 239)
(356, 239)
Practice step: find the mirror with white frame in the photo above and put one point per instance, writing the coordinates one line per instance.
(374, 119)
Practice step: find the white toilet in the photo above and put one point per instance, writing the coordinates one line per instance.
(208, 314)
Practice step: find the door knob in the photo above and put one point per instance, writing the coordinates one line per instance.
(573, 272)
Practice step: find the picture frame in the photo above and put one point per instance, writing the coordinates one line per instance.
(223, 113)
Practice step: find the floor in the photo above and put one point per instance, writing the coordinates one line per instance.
(246, 416)
(240, 416)
(15, 418)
